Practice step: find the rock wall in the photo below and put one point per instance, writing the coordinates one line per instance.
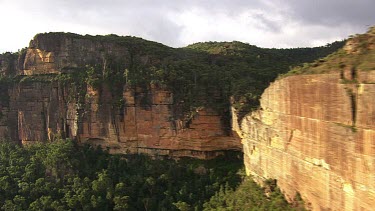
(40, 108)
(153, 128)
(40, 111)
(315, 134)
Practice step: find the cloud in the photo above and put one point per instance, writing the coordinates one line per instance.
(266, 23)
(333, 12)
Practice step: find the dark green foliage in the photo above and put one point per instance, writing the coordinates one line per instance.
(245, 70)
(7, 69)
(249, 196)
(4, 85)
(8, 62)
(63, 176)
(4, 97)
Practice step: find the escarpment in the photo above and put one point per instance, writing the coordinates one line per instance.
(81, 88)
(315, 130)
(135, 96)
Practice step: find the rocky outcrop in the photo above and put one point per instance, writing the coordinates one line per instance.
(61, 53)
(315, 133)
(154, 128)
(44, 111)
(38, 105)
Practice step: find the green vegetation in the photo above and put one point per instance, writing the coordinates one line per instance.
(8, 66)
(63, 176)
(249, 196)
(247, 70)
(4, 97)
(8, 62)
(360, 56)
(353, 128)
(332, 62)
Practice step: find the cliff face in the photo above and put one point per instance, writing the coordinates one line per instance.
(125, 119)
(43, 111)
(133, 95)
(315, 133)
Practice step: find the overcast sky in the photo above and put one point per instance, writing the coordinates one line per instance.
(177, 23)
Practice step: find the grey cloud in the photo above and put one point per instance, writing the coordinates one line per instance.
(266, 24)
(147, 19)
(147, 24)
(118, 7)
(333, 12)
(151, 19)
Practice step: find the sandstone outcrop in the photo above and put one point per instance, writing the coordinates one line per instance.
(59, 53)
(135, 120)
(315, 132)
(42, 111)
(132, 95)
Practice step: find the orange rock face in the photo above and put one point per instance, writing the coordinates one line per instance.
(154, 128)
(40, 111)
(316, 136)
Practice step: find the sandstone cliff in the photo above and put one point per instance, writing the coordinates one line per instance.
(315, 130)
(133, 95)
(44, 111)
(41, 104)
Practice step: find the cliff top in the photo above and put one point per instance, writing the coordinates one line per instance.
(112, 38)
(52, 41)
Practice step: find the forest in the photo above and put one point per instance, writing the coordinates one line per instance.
(64, 176)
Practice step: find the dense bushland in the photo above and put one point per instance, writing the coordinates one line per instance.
(63, 176)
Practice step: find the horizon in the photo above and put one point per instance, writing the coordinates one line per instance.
(266, 24)
(83, 35)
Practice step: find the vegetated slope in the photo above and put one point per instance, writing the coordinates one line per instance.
(248, 69)
(250, 196)
(358, 55)
(63, 176)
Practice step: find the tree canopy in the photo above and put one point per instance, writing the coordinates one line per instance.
(63, 176)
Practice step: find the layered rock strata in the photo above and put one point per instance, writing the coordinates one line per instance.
(44, 111)
(40, 108)
(315, 134)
